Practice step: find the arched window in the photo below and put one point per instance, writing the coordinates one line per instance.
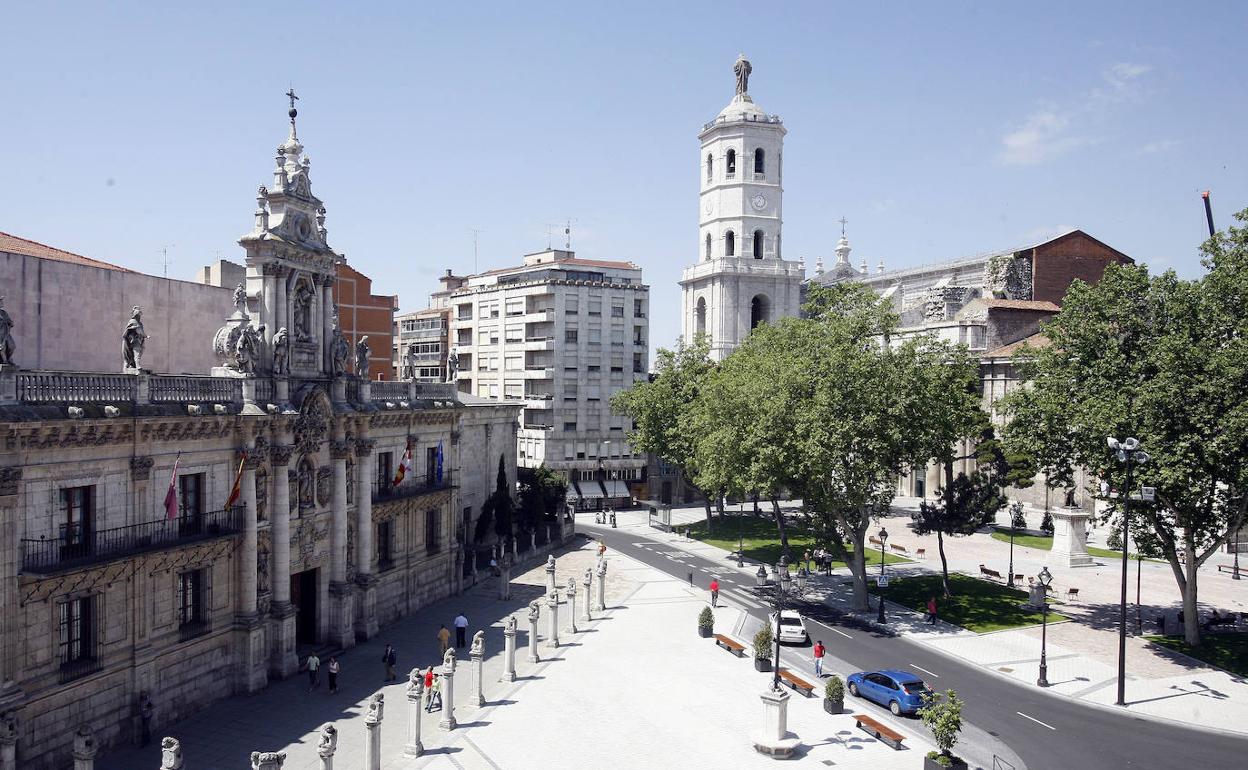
(730, 244)
(699, 317)
(708, 245)
(760, 162)
(710, 167)
(760, 309)
(778, 247)
(732, 163)
(758, 244)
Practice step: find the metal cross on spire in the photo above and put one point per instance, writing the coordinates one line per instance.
(293, 112)
(843, 222)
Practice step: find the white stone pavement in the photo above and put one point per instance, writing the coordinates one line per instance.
(1159, 684)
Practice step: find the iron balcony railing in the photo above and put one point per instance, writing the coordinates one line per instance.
(412, 486)
(78, 668)
(76, 545)
(191, 629)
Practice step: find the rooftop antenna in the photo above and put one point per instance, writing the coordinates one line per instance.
(550, 229)
(164, 256)
(567, 236)
(475, 232)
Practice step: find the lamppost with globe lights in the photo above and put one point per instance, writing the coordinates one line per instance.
(1125, 451)
(883, 540)
(785, 586)
(1045, 578)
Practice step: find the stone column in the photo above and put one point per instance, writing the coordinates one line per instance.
(366, 626)
(372, 724)
(254, 670)
(279, 305)
(504, 577)
(170, 754)
(587, 581)
(342, 616)
(448, 691)
(571, 594)
(268, 313)
(284, 661)
(550, 575)
(509, 650)
(327, 746)
(552, 604)
(535, 611)
(415, 691)
(327, 328)
(8, 740)
(773, 737)
(84, 749)
(477, 651)
(602, 585)
(267, 760)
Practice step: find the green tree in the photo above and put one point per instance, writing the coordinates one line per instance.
(660, 409)
(943, 716)
(542, 493)
(1164, 360)
(502, 503)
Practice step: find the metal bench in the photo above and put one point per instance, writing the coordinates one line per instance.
(992, 573)
(735, 647)
(880, 730)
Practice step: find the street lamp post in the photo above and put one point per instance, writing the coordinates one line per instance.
(782, 588)
(1126, 451)
(883, 540)
(1235, 569)
(1044, 579)
(1009, 578)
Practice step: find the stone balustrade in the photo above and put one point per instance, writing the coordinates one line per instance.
(75, 388)
(192, 390)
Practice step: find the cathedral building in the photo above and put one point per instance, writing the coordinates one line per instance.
(171, 539)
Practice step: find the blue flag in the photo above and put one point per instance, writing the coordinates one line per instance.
(439, 462)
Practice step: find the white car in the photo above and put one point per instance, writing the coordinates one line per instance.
(792, 627)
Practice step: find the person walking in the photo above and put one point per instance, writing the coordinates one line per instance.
(819, 653)
(809, 561)
(714, 592)
(437, 693)
(429, 689)
(461, 631)
(333, 675)
(391, 659)
(602, 549)
(314, 671)
(931, 611)
(444, 639)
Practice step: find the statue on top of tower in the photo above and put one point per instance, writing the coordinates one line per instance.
(742, 70)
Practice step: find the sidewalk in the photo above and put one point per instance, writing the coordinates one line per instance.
(637, 687)
(1081, 654)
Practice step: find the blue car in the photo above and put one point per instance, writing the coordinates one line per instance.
(901, 691)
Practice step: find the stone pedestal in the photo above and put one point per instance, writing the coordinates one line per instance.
(8, 752)
(477, 697)
(281, 393)
(1035, 597)
(267, 760)
(338, 390)
(170, 754)
(1070, 539)
(8, 384)
(587, 582)
(365, 392)
(366, 626)
(534, 613)
(509, 650)
(415, 691)
(773, 737)
(571, 596)
(448, 694)
(84, 749)
(552, 616)
(341, 615)
(249, 397)
(327, 746)
(372, 727)
(254, 671)
(284, 660)
(550, 575)
(504, 577)
(602, 586)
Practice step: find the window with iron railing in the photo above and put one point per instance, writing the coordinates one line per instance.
(192, 618)
(433, 532)
(385, 545)
(77, 637)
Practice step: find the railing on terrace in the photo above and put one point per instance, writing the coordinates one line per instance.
(78, 668)
(412, 486)
(75, 388)
(264, 390)
(180, 389)
(77, 546)
(389, 389)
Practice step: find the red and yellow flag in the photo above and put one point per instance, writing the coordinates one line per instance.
(238, 481)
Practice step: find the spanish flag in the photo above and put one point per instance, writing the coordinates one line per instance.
(238, 481)
(171, 495)
(404, 466)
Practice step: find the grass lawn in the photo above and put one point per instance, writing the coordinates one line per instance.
(1045, 543)
(762, 542)
(977, 605)
(1226, 651)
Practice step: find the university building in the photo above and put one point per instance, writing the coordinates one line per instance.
(170, 536)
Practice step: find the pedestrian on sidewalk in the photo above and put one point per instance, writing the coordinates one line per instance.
(809, 562)
(819, 652)
(444, 639)
(429, 689)
(314, 671)
(391, 659)
(602, 549)
(461, 631)
(437, 693)
(931, 611)
(714, 592)
(333, 675)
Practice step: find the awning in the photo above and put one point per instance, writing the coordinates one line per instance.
(572, 494)
(617, 489)
(590, 490)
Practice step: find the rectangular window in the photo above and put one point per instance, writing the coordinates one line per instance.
(76, 641)
(617, 311)
(464, 313)
(595, 307)
(433, 532)
(569, 427)
(572, 306)
(192, 620)
(78, 524)
(385, 545)
(513, 363)
(513, 389)
(385, 470)
(639, 310)
(617, 336)
(190, 502)
(570, 336)
(593, 368)
(514, 333)
(595, 335)
(515, 306)
(431, 466)
(464, 337)
(570, 391)
(639, 366)
(639, 337)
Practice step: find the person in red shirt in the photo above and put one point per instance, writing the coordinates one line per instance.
(714, 592)
(819, 651)
(931, 611)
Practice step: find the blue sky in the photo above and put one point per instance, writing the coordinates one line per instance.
(938, 129)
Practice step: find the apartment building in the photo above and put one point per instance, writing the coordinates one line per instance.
(421, 336)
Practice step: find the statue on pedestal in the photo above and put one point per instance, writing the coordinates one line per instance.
(281, 352)
(478, 644)
(133, 339)
(6, 336)
(361, 358)
(339, 350)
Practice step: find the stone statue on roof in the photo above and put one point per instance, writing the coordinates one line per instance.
(742, 70)
(132, 340)
(7, 345)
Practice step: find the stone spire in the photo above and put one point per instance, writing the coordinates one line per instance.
(818, 265)
(842, 251)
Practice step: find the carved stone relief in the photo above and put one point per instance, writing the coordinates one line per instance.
(262, 494)
(141, 468)
(307, 483)
(324, 486)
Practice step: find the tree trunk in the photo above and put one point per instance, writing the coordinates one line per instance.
(784, 536)
(858, 567)
(710, 525)
(719, 503)
(1191, 608)
(757, 512)
(944, 564)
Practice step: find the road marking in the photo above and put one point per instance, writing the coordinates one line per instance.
(842, 633)
(1037, 721)
(925, 671)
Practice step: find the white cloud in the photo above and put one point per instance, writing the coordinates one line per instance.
(1123, 74)
(1161, 145)
(1044, 135)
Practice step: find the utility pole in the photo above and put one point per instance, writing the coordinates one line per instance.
(475, 233)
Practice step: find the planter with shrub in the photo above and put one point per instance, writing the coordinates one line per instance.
(762, 649)
(942, 713)
(834, 695)
(706, 622)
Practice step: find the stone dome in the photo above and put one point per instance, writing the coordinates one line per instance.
(742, 107)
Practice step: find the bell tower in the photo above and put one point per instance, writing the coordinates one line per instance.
(741, 278)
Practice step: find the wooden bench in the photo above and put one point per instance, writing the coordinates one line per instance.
(992, 573)
(873, 540)
(881, 731)
(1231, 569)
(920, 553)
(898, 548)
(1072, 593)
(736, 648)
(796, 682)
(1021, 578)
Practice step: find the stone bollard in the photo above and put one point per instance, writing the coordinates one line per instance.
(509, 650)
(372, 723)
(170, 754)
(84, 749)
(504, 577)
(535, 611)
(8, 741)
(587, 582)
(550, 574)
(571, 595)
(267, 760)
(602, 585)
(327, 745)
(448, 691)
(552, 604)
(477, 652)
(415, 691)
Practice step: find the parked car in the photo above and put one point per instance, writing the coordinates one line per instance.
(792, 627)
(900, 690)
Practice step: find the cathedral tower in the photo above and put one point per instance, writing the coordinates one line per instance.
(741, 278)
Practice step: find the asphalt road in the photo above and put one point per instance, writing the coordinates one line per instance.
(1046, 731)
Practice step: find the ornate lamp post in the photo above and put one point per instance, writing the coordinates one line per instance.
(741, 537)
(1044, 579)
(782, 588)
(1125, 451)
(883, 540)
(1009, 578)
